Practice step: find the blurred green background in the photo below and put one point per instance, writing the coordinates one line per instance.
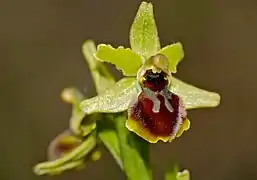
(40, 54)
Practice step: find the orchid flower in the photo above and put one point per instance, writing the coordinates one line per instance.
(156, 102)
(148, 101)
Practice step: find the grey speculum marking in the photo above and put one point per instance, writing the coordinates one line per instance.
(156, 84)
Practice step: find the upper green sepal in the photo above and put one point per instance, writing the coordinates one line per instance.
(100, 74)
(123, 58)
(144, 38)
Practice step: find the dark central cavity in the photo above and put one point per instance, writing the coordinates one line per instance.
(155, 81)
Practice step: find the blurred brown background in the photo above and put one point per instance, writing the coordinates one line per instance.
(40, 54)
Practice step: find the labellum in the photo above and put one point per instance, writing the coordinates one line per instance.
(157, 113)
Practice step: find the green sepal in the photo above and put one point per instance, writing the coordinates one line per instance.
(144, 38)
(192, 96)
(116, 99)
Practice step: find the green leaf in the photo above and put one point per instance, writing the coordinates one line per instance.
(108, 135)
(124, 59)
(193, 97)
(134, 152)
(101, 76)
(116, 99)
(144, 38)
(67, 161)
(174, 53)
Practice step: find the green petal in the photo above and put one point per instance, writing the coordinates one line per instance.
(124, 59)
(101, 76)
(144, 38)
(174, 53)
(193, 97)
(116, 99)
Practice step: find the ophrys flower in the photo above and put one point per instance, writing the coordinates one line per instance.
(155, 100)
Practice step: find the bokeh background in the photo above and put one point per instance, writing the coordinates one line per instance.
(40, 54)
